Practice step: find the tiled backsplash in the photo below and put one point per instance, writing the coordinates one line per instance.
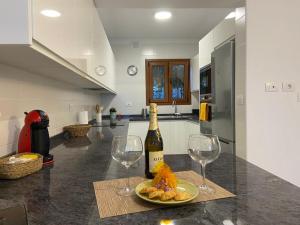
(22, 91)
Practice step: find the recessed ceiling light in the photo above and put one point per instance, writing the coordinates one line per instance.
(163, 15)
(50, 13)
(230, 16)
(88, 53)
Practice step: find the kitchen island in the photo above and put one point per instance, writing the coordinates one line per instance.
(63, 194)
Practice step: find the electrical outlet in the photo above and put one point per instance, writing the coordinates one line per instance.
(288, 86)
(71, 107)
(298, 97)
(271, 87)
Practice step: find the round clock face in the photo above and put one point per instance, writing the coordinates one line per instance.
(100, 70)
(132, 70)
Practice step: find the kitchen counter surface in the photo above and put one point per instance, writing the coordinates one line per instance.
(64, 194)
(189, 117)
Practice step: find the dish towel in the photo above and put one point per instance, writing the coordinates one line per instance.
(203, 112)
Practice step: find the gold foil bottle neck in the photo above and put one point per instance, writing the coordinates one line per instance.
(153, 117)
(153, 107)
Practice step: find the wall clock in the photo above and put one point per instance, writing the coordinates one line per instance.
(100, 70)
(132, 70)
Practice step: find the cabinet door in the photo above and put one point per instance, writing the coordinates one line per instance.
(138, 129)
(77, 36)
(189, 129)
(173, 137)
(206, 47)
(223, 31)
(166, 133)
(195, 73)
(102, 53)
(67, 35)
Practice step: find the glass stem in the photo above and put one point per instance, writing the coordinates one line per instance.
(128, 183)
(203, 174)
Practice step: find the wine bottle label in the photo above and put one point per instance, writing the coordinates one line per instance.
(154, 158)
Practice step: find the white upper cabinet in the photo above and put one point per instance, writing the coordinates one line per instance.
(195, 73)
(222, 32)
(74, 42)
(206, 47)
(68, 35)
(15, 22)
(103, 54)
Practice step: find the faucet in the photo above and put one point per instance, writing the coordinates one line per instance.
(176, 113)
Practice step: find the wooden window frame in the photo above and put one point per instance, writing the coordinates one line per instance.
(168, 85)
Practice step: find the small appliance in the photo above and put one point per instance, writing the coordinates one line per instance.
(34, 136)
(205, 80)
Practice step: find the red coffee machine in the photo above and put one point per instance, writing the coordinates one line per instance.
(34, 136)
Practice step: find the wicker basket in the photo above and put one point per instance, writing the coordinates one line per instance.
(18, 170)
(79, 130)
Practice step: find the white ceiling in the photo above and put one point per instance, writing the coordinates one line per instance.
(169, 3)
(140, 23)
(134, 19)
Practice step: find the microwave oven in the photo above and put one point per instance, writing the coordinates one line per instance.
(205, 80)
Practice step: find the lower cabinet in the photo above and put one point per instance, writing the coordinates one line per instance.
(175, 134)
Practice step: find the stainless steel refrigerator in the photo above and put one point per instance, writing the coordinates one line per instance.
(223, 95)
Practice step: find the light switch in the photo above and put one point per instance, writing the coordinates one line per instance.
(288, 86)
(240, 99)
(271, 87)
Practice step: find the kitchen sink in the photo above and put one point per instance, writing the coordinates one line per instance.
(173, 117)
(163, 117)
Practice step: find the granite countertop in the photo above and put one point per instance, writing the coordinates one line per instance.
(184, 116)
(64, 194)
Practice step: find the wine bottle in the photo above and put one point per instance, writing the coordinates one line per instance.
(153, 143)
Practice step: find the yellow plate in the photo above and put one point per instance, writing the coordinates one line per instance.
(182, 185)
(29, 156)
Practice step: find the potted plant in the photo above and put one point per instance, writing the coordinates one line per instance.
(113, 114)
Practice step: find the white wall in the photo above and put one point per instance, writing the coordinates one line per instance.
(21, 91)
(273, 54)
(132, 89)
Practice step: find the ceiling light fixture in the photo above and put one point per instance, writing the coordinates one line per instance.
(148, 52)
(230, 16)
(163, 15)
(50, 13)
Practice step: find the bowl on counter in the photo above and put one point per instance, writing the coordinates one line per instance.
(77, 130)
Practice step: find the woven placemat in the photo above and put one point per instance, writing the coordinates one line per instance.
(111, 204)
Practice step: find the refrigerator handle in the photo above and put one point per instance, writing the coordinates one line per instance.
(212, 78)
(226, 142)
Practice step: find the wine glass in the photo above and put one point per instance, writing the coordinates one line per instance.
(204, 148)
(126, 150)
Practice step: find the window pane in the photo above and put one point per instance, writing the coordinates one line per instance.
(158, 77)
(178, 82)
